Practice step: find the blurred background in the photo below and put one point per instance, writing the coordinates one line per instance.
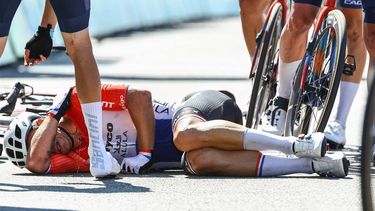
(114, 16)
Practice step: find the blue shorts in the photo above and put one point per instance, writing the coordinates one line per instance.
(7, 10)
(164, 149)
(369, 10)
(342, 3)
(72, 15)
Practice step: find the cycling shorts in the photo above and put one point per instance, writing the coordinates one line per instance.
(369, 10)
(72, 15)
(343, 3)
(7, 10)
(208, 105)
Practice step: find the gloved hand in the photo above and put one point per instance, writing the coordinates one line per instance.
(139, 164)
(60, 105)
(39, 47)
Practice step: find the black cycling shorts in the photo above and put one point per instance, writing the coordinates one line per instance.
(72, 15)
(369, 10)
(342, 3)
(209, 105)
(7, 10)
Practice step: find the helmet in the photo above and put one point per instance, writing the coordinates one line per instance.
(15, 138)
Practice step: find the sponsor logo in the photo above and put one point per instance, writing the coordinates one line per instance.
(353, 2)
(97, 159)
(106, 104)
(117, 144)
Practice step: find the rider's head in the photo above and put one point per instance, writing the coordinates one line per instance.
(16, 136)
(21, 130)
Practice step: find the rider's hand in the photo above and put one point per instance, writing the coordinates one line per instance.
(60, 105)
(139, 164)
(39, 47)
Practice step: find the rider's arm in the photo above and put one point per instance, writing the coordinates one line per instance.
(40, 149)
(139, 105)
(49, 16)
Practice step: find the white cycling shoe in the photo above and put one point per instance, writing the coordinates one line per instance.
(335, 134)
(312, 146)
(332, 165)
(103, 165)
(273, 120)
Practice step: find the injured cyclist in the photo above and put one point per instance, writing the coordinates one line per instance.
(203, 135)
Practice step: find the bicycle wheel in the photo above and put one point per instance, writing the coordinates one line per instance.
(368, 137)
(317, 78)
(264, 82)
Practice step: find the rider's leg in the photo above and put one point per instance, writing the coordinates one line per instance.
(292, 48)
(252, 21)
(7, 10)
(210, 161)
(349, 85)
(369, 37)
(3, 41)
(191, 134)
(73, 18)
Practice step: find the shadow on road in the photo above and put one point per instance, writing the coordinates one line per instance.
(108, 186)
(25, 208)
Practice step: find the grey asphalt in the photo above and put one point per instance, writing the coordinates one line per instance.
(171, 62)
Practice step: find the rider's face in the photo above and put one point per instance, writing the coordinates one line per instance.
(67, 138)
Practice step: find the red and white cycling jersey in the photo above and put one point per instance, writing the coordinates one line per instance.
(119, 132)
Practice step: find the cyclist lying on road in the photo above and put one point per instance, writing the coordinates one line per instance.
(142, 134)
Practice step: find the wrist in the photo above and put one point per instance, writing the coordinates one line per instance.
(45, 30)
(146, 153)
(54, 116)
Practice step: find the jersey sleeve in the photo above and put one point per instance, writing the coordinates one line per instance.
(69, 163)
(114, 97)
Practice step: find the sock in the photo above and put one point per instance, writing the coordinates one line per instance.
(348, 90)
(260, 141)
(100, 159)
(268, 166)
(285, 78)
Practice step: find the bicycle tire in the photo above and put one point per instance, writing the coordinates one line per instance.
(268, 50)
(334, 20)
(366, 154)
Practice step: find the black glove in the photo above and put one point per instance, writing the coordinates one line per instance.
(40, 43)
(60, 105)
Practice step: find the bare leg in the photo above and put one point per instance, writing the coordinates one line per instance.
(252, 21)
(355, 47)
(209, 161)
(3, 41)
(369, 37)
(87, 77)
(191, 133)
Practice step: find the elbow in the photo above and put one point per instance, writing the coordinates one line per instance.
(139, 97)
(37, 166)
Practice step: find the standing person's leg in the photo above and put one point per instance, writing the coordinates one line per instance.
(369, 35)
(252, 21)
(210, 161)
(7, 10)
(335, 130)
(73, 19)
(292, 48)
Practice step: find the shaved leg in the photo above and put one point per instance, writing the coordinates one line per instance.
(3, 41)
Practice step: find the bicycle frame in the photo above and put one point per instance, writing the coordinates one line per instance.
(285, 9)
(328, 6)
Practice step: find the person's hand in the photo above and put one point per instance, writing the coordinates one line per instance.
(139, 164)
(39, 47)
(60, 105)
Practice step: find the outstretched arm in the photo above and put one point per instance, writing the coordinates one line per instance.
(39, 46)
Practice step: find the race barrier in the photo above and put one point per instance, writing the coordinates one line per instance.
(110, 16)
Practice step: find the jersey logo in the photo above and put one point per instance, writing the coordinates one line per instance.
(106, 104)
(116, 144)
(353, 2)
